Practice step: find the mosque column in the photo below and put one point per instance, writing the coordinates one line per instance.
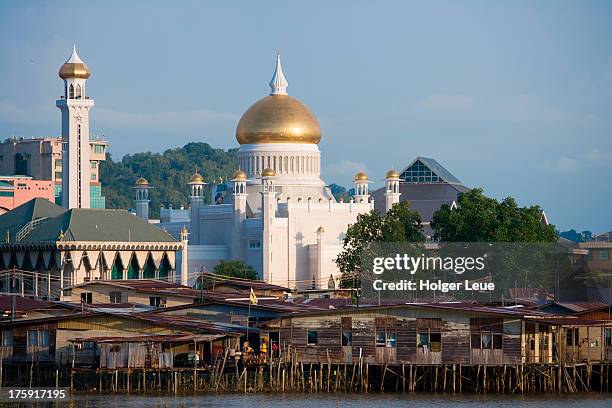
(362, 194)
(268, 213)
(239, 179)
(320, 255)
(392, 193)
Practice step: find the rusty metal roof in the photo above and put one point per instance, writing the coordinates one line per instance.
(156, 338)
(578, 307)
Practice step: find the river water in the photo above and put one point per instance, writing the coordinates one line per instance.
(591, 400)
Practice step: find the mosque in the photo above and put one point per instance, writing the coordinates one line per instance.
(277, 215)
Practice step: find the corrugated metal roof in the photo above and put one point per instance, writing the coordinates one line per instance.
(148, 286)
(577, 307)
(174, 338)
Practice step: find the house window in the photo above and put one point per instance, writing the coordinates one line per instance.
(486, 334)
(604, 255)
(608, 336)
(7, 338)
(312, 337)
(430, 339)
(254, 244)
(86, 298)
(386, 338)
(429, 334)
(487, 341)
(43, 338)
(32, 338)
(115, 297)
(157, 301)
(347, 337)
(571, 336)
(38, 338)
(85, 345)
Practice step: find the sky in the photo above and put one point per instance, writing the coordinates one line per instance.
(511, 96)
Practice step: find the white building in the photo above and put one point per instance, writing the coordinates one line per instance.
(75, 106)
(280, 217)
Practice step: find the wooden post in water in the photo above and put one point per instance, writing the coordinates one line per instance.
(72, 369)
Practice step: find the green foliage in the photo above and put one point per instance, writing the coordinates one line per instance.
(575, 236)
(400, 224)
(235, 269)
(482, 219)
(168, 172)
(341, 192)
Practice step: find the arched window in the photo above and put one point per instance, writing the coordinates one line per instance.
(149, 269)
(117, 271)
(71, 92)
(133, 270)
(78, 92)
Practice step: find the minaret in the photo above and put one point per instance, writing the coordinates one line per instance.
(196, 193)
(268, 213)
(141, 198)
(239, 179)
(75, 106)
(361, 187)
(184, 277)
(392, 192)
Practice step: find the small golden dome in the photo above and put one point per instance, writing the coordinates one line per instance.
(268, 172)
(320, 230)
(197, 178)
(74, 70)
(142, 182)
(278, 119)
(239, 175)
(392, 174)
(361, 176)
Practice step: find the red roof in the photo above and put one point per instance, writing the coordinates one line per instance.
(22, 304)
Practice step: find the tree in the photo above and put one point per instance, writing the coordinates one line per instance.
(482, 219)
(235, 269)
(400, 224)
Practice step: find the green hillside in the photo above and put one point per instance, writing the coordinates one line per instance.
(168, 172)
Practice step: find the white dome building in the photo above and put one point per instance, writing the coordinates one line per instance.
(279, 215)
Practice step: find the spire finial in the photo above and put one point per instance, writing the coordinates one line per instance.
(74, 56)
(278, 84)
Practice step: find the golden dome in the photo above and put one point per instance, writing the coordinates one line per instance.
(278, 119)
(239, 175)
(142, 182)
(268, 172)
(74, 70)
(361, 176)
(196, 178)
(392, 174)
(320, 230)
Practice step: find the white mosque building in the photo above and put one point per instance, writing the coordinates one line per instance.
(279, 216)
